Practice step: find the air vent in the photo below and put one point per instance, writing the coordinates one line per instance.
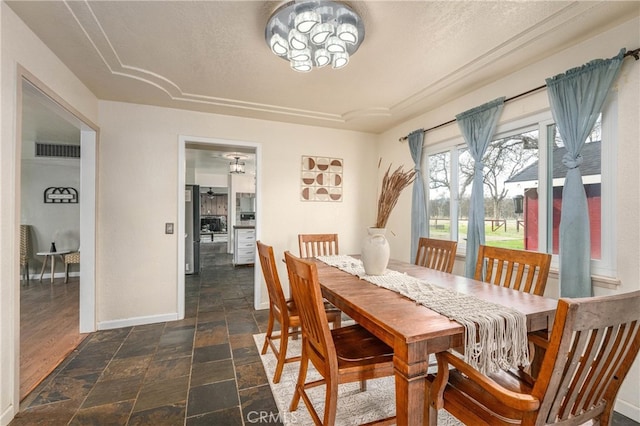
(57, 150)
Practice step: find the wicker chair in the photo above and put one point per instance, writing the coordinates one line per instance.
(69, 259)
(25, 249)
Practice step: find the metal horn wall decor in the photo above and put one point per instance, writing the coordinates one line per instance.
(60, 195)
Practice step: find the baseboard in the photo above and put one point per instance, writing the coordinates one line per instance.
(130, 322)
(47, 276)
(627, 410)
(7, 415)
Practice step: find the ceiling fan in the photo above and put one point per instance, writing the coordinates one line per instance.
(210, 193)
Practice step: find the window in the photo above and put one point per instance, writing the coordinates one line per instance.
(523, 181)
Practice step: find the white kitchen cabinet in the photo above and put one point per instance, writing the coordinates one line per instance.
(244, 245)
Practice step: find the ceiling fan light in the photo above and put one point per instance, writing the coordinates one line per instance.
(297, 40)
(340, 60)
(301, 66)
(322, 57)
(279, 45)
(236, 167)
(300, 55)
(347, 33)
(312, 26)
(305, 21)
(335, 45)
(321, 32)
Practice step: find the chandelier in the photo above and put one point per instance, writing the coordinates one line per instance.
(310, 33)
(236, 167)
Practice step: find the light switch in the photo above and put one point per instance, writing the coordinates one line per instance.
(168, 228)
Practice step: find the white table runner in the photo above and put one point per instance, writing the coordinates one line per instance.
(495, 335)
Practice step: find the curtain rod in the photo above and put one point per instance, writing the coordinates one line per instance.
(634, 53)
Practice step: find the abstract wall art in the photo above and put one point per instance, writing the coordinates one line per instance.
(321, 179)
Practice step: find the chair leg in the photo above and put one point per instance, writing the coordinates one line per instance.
(66, 273)
(302, 377)
(282, 353)
(295, 332)
(267, 336)
(331, 401)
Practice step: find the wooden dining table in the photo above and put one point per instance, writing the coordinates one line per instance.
(415, 331)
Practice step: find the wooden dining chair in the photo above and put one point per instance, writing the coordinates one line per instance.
(517, 269)
(312, 245)
(593, 343)
(436, 254)
(342, 355)
(283, 311)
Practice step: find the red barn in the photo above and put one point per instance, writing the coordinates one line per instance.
(527, 181)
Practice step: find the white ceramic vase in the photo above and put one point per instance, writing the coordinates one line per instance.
(375, 252)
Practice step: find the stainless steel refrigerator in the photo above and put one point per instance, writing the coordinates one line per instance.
(192, 229)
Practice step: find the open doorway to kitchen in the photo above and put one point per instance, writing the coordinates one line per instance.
(56, 180)
(218, 196)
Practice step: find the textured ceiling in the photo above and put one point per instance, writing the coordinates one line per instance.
(211, 55)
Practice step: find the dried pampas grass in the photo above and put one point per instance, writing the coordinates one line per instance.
(392, 186)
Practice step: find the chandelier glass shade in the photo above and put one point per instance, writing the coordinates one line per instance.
(314, 33)
(236, 167)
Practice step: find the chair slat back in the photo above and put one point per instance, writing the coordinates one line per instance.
(313, 245)
(521, 270)
(593, 344)
(316, 336)
(436, 254)
(271, 278)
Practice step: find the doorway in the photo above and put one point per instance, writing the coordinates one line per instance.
(187, 171)
(46, 121)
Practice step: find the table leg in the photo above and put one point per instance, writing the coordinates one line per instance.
(44, 265)
(411, 366)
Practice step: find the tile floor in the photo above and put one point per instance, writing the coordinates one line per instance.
(203, 370)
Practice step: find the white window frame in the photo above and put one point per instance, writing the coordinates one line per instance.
(605, 266)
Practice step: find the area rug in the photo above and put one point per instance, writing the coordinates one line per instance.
(354, 407)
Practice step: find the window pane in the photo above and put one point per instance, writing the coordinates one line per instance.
(465, 181)
(439, 196)
(591, 179)
(510, 169)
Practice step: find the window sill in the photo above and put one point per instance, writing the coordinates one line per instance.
(596, 280)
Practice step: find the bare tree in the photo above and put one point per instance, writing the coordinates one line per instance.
(439, 171)
(503, 159)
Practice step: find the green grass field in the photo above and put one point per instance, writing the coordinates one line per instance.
(507, 238)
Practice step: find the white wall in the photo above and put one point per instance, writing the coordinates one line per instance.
(137, 181)
(50, 222)
(628, 127)
(19, 46)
